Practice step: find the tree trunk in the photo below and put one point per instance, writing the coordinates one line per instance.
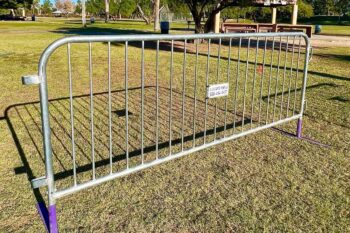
(144, 17)
(209, 24)
(12, 12)
(156, 15)
(198, 26)
(107, 11)
(83, 13)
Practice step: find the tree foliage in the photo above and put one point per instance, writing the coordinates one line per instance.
(65, 6)
(209, 8)
(116, 7)
(14, 4)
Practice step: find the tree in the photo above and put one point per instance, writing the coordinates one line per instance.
(121, 8)
(95, 7)
(210, 8)
(14, 4)
(59, 5)
(145, 10)
(46, 7)
(78, 7)
(238, 12)
(341, 7)
(66, 6)
(305, 10)
(35, 6)
(156, 15)
(106, 11)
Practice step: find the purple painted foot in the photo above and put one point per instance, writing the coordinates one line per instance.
(48, 216)
(299, 127)
(53, 219)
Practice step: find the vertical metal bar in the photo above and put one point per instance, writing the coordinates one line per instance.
(262, 80)
(269, 91)
(157, 102)
(195, 96)
(217, 80)
(142, 97)
(71, 113)
(126, 106)
(253, 89)
(296, 78)
(236, 91)
(171, 94)
(284, 76)
(110, 109)
(290, 76)
(92, 114)
(183, 97)
(206, 89)
(306, 63)
(277, 76)
(227, 80)
(245, 83)
(45, 120)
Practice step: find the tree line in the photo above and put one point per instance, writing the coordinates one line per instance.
(201, 12)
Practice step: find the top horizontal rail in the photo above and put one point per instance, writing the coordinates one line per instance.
(153, 37)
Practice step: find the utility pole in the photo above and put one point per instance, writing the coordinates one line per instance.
(156, 15)
(83, 13)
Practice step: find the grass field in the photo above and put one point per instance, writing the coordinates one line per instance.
(330, 24)
(262, 182)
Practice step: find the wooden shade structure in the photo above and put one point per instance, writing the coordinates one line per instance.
(274, 2)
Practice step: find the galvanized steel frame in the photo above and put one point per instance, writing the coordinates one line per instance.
(42, 80)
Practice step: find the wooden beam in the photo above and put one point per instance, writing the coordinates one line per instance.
(274, 15)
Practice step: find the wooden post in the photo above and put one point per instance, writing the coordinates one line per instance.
(274, 15)
(295, 15)
(217, 22)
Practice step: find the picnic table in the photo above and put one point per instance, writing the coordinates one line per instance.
(265, 27)
(239, 27)
(295, 28)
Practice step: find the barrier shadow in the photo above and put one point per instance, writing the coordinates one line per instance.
(24, 123)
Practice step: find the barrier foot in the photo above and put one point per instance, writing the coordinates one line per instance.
(299, 128)
(48, 216)
(298, 135)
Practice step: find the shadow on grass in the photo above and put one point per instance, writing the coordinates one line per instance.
(24, 123)
(179, 47)
(94, 30)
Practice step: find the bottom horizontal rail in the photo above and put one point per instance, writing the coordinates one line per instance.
(125, 172)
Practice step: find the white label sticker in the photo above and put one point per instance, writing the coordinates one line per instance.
(217, 90)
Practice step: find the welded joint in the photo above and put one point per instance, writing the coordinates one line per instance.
(31, 79)
(39, 182)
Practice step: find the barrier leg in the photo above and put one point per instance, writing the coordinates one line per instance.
(299, 128)
(53, 219)
(48, 216)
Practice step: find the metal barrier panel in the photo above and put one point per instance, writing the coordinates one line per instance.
(132, 102)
